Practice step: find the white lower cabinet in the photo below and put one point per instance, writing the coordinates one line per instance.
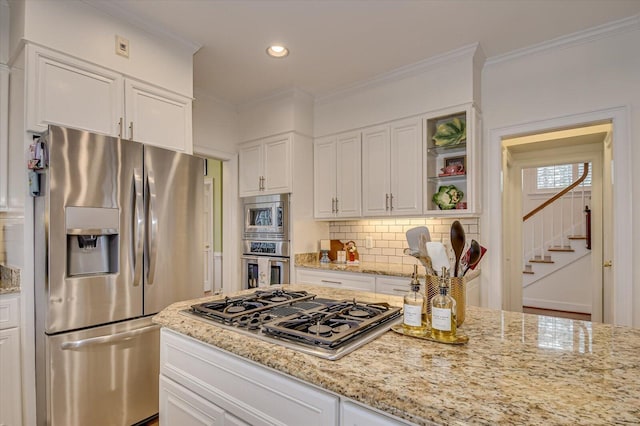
(203, 385)
(180, 406)
(396, 286)
(346, 280)
(10, 368)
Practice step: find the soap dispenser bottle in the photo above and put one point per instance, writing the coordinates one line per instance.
(443, 311)
(414, 322)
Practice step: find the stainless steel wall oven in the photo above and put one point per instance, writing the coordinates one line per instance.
(265, 253)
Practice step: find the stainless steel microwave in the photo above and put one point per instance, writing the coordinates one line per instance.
(266, 217)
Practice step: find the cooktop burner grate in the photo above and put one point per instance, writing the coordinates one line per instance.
(323, 327)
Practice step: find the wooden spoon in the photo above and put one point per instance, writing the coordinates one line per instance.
(457, 243)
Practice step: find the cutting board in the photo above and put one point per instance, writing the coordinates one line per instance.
(336, 246)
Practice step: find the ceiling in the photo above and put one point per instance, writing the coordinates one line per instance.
(335, 44)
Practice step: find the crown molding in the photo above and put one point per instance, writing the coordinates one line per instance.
(118, 11)
(398, 73)
(591, 34)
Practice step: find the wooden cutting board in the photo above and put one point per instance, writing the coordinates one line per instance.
(336, 246)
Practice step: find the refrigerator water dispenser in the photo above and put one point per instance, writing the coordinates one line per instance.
(92, 240)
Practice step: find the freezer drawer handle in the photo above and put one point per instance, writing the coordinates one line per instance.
(112, 338)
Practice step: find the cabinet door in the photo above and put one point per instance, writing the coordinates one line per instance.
(375, 171)
(71, 93)
(325, 172)
(277, 165)
(157, 117)
(180, 406)
(250, 169)
(349, 176)
(406, 167)
(10, 386)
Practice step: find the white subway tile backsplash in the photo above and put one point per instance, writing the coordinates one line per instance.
(389, 239)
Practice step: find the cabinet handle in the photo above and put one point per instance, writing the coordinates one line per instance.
(400, 290)
(131, 131)
(391, 203)
(386, 202)
(336, 206)
(333, 205)
(331, 282)
(120, 128)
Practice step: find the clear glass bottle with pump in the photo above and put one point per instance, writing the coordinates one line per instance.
(443, 311)
(414, 322)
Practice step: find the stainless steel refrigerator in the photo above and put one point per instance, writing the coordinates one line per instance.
(118, 230)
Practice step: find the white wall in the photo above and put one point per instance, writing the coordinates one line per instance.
(89, 33)
(215, 124)
(594, 74)
(291, 110)
(431, 85)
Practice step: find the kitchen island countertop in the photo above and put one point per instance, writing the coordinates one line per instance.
(516, 369)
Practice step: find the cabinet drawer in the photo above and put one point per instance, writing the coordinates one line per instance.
(396, 286)
(352, 281)
(9, 313)
(242, 389)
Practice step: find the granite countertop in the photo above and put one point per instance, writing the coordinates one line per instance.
(9, 280)
(516, 369)
(310, 260)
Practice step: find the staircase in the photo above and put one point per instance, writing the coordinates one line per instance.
(556, 233)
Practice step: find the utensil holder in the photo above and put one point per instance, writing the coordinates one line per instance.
(457, 291)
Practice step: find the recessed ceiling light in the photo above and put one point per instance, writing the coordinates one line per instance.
(277, 51)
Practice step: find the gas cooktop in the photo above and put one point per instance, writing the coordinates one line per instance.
(299, 320)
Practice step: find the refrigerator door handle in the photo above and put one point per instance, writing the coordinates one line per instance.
(111, 338)
(153, 234)
(138, 227)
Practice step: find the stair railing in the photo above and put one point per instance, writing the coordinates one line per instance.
(551, 201)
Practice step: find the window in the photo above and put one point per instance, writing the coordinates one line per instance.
(561, 176)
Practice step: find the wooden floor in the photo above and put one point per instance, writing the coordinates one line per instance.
(559, 314)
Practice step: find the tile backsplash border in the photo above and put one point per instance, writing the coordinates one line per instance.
(389, 235)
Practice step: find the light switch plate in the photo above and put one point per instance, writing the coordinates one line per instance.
(122, 46)
(368, 242)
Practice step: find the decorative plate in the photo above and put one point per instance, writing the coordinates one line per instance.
(450, 132)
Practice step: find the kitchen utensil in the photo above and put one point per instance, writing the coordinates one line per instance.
(483, 250)
(423, 254)
(413, 237)
(438, 254)
(471, 257)
(457, 243)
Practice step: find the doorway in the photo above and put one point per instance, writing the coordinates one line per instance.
(496, 290)
(549, 270)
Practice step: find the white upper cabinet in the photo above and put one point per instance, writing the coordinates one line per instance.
(72, 93)
(376, 186)
(265, 166)
(337, 176)
(392, 169)
(68, 92)
(451, 161)
(157, 117)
